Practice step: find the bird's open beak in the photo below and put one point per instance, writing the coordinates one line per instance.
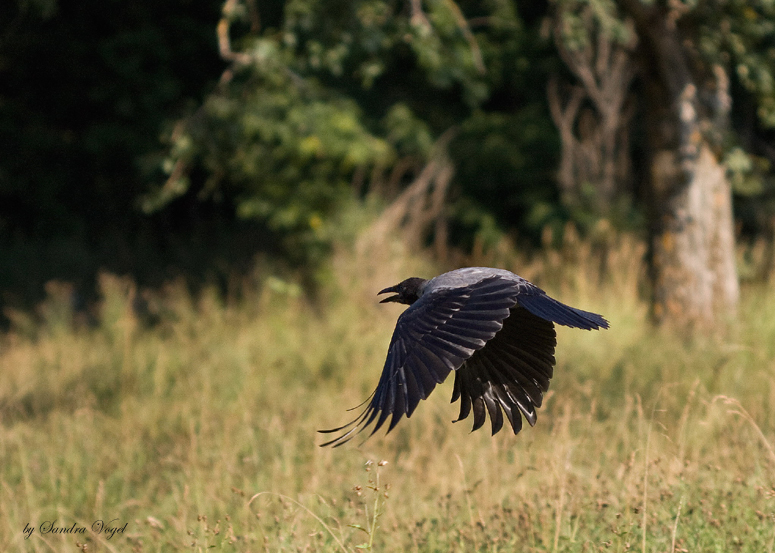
(387, 290)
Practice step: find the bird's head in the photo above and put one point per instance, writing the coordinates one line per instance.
(407, 291)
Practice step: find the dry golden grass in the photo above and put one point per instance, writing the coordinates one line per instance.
(199, 432)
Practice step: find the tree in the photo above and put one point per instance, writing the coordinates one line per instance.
(693, 255)
(325, 100)
(684, 54)
(687, 52)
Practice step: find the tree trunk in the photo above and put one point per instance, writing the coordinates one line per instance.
(692, 232)
(693, 264)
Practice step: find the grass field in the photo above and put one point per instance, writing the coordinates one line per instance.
(197, 432)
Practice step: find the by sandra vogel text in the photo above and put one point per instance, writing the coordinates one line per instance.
(110, 528)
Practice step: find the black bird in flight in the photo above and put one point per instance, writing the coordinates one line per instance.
(493, 328)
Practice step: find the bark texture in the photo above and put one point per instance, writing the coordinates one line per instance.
(694, 274)
(692, 233)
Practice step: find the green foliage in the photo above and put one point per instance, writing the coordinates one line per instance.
(505, 170)
(409, 134)
(736, 35)
(729, 47)
(331, 93)
(748, 173)
(608, 20)
(740, 35)
(287, 148)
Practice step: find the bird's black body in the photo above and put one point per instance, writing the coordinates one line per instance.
(493, 328)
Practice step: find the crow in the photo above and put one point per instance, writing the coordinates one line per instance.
(493, 328)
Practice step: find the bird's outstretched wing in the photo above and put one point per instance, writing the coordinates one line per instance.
(512, 373)
(434, 336)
